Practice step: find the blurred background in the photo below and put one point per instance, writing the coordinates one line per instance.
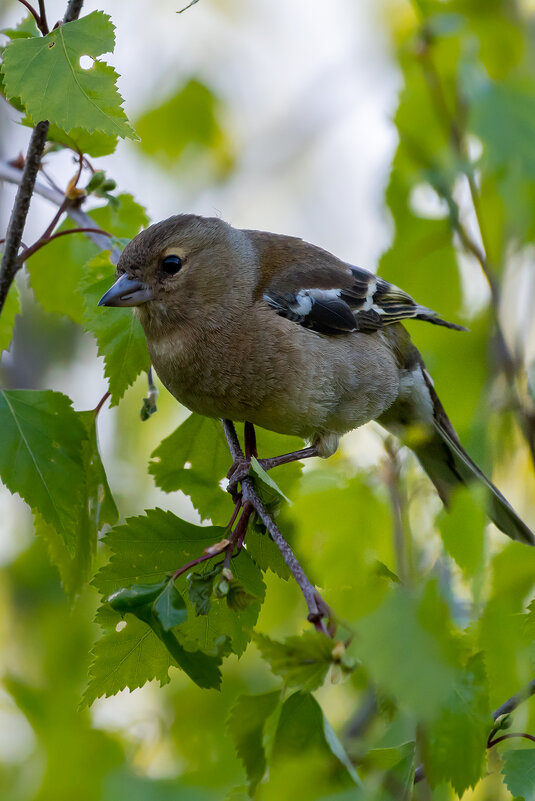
(284, 117)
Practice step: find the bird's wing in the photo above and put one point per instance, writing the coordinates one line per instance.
(356, 300)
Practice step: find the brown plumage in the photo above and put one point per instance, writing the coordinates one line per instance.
(249, 325)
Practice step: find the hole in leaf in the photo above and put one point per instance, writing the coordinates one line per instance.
(86, 62)
(51, 45)
(187, 465)
(120, 625)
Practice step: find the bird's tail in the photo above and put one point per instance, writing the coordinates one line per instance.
(443, 457)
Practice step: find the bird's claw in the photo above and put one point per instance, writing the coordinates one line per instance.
(236, 474)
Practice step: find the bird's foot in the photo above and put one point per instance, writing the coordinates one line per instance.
(236, 474)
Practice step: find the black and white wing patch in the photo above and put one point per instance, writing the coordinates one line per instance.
(366, 303)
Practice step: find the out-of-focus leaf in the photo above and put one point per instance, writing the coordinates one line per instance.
(301, 661)
(190, 121)
(7, 318)
(457, 741)
(412, 634)
(200, 588)
(303, 728)
(26, 28)
(119, 334)
(246, 724)
(45, 73)
(462, 527)
(42, 445)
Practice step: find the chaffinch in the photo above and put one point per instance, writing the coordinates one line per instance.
(254, 326)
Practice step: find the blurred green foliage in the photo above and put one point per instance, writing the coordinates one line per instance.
(434, 613)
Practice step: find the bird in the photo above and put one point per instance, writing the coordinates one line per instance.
(270, 330)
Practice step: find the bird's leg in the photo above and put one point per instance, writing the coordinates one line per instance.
(240, 468)
(286, 458)
(249, 435)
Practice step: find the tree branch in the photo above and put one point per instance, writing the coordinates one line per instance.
(318, 610)
(10, 263)
(73, 10)
(81, 218)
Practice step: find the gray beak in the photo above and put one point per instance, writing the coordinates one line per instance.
(126, 291)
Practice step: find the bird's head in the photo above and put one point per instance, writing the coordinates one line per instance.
(178, 267)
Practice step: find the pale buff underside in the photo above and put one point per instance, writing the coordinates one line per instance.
(314, 386)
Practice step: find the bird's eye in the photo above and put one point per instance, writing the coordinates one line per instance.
(171, 264)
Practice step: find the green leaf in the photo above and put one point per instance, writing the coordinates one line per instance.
(519, 773)
(7, 318)
(269, 491)
(237, 623)
(200, 588)
(301, 661)
(457, 741)
(462, 527)
(169, 607)
(195, 459)
(96, 509)
(93, 144)
(26, 28)
(127, 657)
(406, 645)
(73, 252)
(42, 443)
(46, 74)
(246, 725)
(265, 552)
(126, 599)
(301, 728)
(119, 334)
(147, 548)
(188, 122)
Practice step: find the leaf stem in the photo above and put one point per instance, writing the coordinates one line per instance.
(509, 736)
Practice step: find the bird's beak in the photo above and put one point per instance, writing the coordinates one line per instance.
(126, 291)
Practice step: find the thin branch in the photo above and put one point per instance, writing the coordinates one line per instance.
(73, 10)
(509, 736)
(318, 610)
(101, 403)
(512, 703)
(42, 14)
(10, 263)
(14, 175)
(35, 15)
(42, 242)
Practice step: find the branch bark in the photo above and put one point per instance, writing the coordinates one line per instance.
(318, 610)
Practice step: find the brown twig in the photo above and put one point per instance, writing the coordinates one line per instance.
(318, 610)
(42, 241)
(101, 403)
(73, 10)
(40, 22)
